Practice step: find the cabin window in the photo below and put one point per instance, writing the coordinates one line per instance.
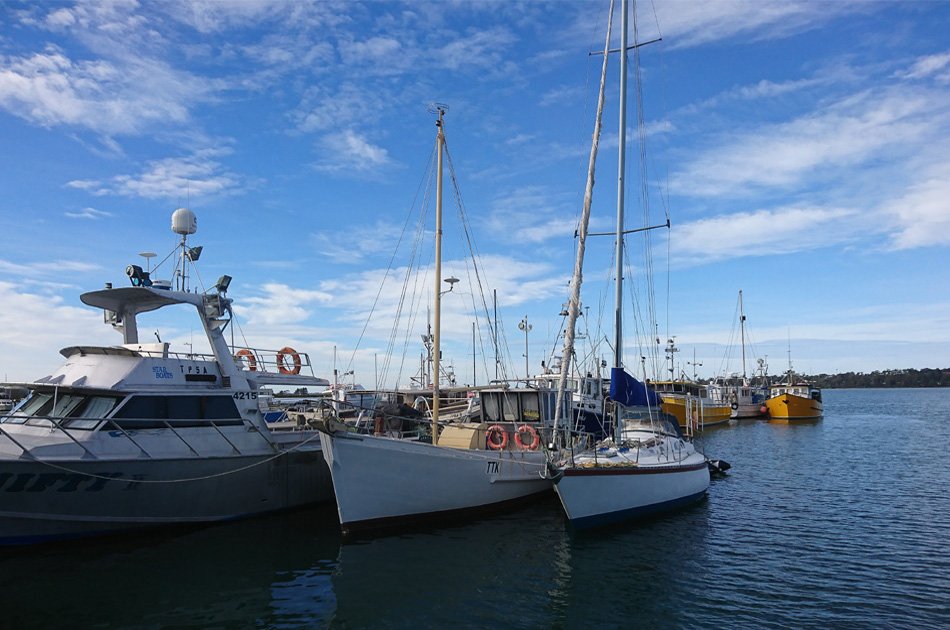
(66, 405)
(218, 408)
(151, 412)
(530, 407)
(36, 405)
(89, 415)
(74, 411)
(183, 407)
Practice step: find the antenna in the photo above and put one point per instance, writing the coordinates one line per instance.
(437, 108)
(148, 256)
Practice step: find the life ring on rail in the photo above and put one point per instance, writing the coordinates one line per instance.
(535, 438)
(244, 353)
(282, 355)
(496, 438)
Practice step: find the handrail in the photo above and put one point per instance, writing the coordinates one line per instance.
(110, 424)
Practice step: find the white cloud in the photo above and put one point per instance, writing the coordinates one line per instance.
(324, 109)
(532, 214)
(923, 210)
(34, 326)
(937, 66)
(107, 97)
(688, 24)
(847, 133)
(49, 268)
(762, 232)
(280, 304)
(196, 175)
(88, 213)
(349, 151)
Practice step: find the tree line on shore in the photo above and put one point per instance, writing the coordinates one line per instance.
(927, 377)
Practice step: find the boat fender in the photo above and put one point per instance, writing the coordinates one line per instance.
(735, 406)
(496, 438)
(535, 438)
(288, 353)
(244, 353)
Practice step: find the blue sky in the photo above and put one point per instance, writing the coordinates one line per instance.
(800, 149)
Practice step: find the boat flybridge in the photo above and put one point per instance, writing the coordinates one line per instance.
(135, 435)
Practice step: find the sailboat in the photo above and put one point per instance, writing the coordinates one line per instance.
(385, 480)
(647, 465)
(745, 396)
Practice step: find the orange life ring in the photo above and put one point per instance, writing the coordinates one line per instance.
(244, 353)
(535, 438)
(494, 431)
(282, 355)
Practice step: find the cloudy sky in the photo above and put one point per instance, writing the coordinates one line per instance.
(798, 148)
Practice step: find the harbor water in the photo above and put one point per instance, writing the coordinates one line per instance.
(841, 522)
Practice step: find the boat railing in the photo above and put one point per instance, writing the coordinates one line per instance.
(115, 429)
(283, 361)
(181, 356)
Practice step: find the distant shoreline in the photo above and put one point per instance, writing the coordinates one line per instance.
(886, 379)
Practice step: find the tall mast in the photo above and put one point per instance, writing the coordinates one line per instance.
(574, 301)
(742, 329)
(436, 334)
(618, 312)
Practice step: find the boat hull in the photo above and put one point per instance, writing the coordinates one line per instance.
(707, 414)
(789, 407)
(597, 496)
(60, 499)
(382, 483)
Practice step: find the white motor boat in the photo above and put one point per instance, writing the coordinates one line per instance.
(135, 435)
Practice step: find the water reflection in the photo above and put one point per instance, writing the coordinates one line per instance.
(843, 522)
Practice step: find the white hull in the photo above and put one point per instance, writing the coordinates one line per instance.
(382, 482)
(601, 495)
(748, 410)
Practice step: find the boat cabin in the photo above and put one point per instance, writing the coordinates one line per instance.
(802, 390)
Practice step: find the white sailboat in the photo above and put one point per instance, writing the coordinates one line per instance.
(647, 465)
(383, 481)
(746, 396)
(135, 435)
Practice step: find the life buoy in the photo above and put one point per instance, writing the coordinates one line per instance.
(244, 353)
(535, 438)
(282, 356)
(496, 438)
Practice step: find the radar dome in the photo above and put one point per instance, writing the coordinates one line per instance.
(184, 221)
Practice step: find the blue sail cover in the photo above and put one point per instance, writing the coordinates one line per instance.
(630, 392)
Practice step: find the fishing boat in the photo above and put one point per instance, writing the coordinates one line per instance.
(646, 465)
(138, 435)
(795, 399)
(694, 405)
(393, 478)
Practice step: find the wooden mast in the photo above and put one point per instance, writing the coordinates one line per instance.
(436, 333)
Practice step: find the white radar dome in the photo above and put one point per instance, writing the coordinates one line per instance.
(184, 221)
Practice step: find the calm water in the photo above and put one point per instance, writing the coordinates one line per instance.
(844, 522)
